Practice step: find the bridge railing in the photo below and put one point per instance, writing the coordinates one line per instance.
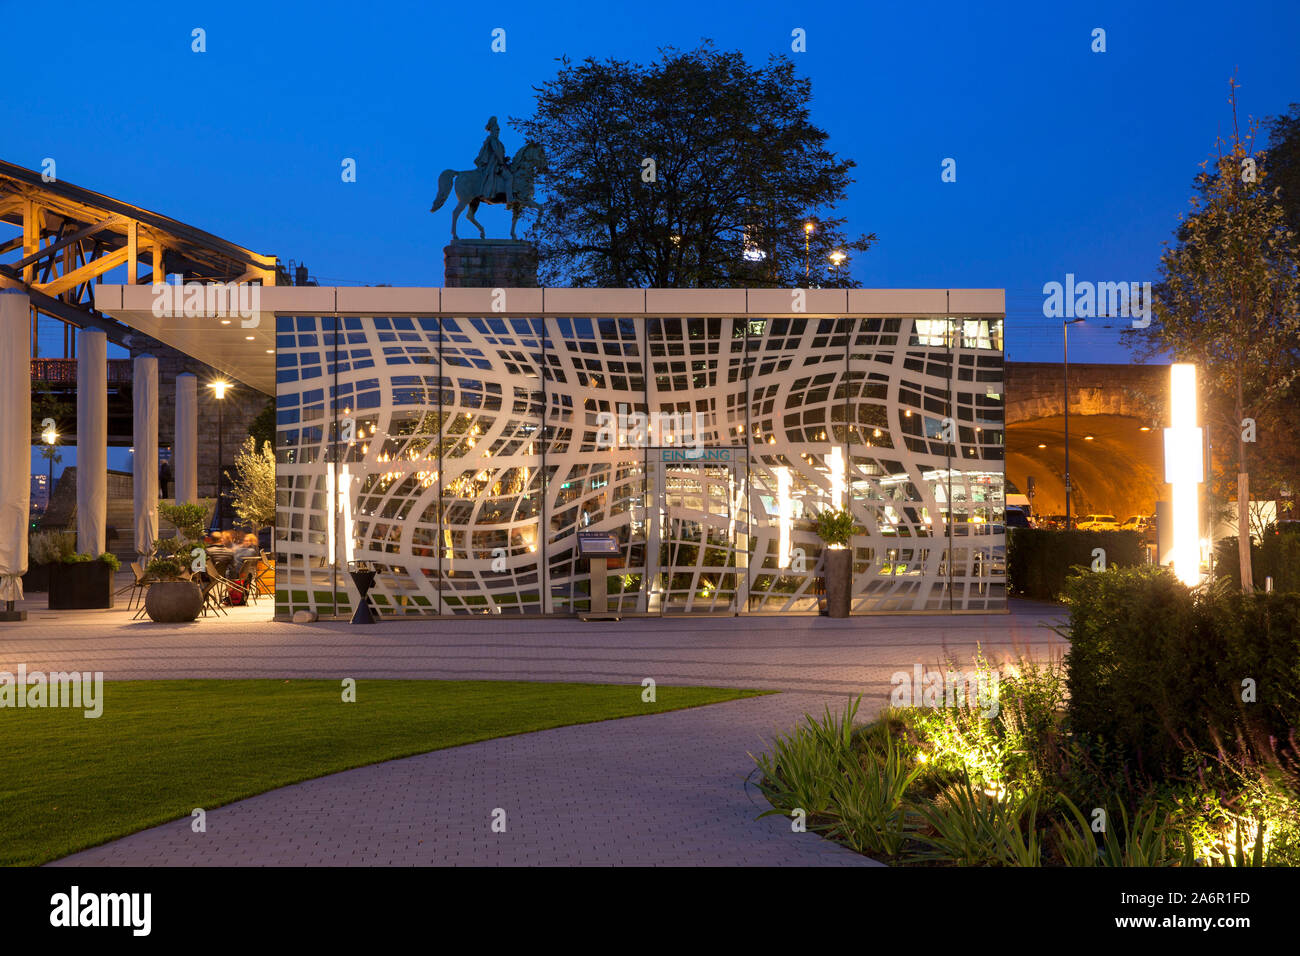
(63, 371)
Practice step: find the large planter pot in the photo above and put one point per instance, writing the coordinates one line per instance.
(37, 578)
(80, 586)
(839, 581)
(173, 602)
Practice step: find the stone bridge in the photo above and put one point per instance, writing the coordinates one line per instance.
(1116, 416)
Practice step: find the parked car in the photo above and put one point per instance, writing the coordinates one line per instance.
(1018, 517)
(1098, 523)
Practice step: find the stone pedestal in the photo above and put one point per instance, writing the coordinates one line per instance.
(490, 264)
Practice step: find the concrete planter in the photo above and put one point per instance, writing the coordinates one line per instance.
(173, 602)
(37, 578)
(839, 581)
(80, 586)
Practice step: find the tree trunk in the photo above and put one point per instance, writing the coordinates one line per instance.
(1243, 531)
(1243, 495)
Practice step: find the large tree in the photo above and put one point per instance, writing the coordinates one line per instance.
(1282, 162)
(697, 170)
(1229, 302)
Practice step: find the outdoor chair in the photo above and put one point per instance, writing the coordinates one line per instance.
(265, 578)
(211, 589)
(138, 585)
(245, 578)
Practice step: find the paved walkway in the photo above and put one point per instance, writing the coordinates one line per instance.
(666, 789)
(662, 789)
(819, 655)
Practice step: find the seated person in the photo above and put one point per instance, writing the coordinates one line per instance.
(222, 554)
(248, 549)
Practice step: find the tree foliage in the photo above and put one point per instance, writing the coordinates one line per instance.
(253, 484)
(1229, 302)
(1283, 162)
(262, 427)
(738, 168)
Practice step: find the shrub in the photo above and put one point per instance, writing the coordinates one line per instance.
(47, 547)
(84, 557)
(1277, 556)
(970, 827)
(851, 787)
(1157, 671)
(1039, 561)
(169, 563)
(835, 526)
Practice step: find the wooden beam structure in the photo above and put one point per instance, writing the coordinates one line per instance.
(69, 239)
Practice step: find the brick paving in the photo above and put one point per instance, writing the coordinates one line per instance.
(661, 789)
(657, 790)
(811, 654)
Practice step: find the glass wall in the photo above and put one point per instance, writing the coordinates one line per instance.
(459, 457)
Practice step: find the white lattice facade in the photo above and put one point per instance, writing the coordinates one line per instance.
(459, 454)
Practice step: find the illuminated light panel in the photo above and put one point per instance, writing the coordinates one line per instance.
(1185, 470)
(784, 509)
(835, 462)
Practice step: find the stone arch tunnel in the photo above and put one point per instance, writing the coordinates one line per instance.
(1117, 413)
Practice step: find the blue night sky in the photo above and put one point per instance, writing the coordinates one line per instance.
(1067, 160)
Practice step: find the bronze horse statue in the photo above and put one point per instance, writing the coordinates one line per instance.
(471, 190)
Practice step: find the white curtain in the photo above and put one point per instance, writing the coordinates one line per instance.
(145, 482)
(15, 441)
(185, 449)
(92, 441)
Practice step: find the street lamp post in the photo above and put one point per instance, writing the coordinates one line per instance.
(1065, 328)
(807, 253)
(51, 437)
(219, 389)
(837, 258)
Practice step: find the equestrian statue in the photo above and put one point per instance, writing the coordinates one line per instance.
(496, 179)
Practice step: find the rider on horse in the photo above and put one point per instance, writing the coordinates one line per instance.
(492, 160)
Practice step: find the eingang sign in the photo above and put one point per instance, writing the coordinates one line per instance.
(700, 456)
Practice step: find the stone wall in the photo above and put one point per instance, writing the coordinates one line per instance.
(490, 264)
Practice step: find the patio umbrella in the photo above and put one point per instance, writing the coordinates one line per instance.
(145, 481)
(15, 440)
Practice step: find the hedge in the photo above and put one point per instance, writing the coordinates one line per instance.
(1156, 669)
(1277, 556)
(1039, 561)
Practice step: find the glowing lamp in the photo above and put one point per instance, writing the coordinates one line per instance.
(835, 463)
(1185, 470)
(784, 516)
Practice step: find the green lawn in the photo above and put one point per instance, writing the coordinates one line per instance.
(162, 748)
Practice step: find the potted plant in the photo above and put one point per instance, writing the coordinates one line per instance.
(835, 527)
(44, 549)
(172, 598)
(81, 581)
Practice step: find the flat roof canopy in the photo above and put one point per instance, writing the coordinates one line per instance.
(238, 336)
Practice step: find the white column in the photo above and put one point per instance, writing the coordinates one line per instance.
(92, 440)
(15, 440)
(185, 448)
(145, 438)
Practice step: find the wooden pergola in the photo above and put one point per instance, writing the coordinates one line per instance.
(71, 237)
